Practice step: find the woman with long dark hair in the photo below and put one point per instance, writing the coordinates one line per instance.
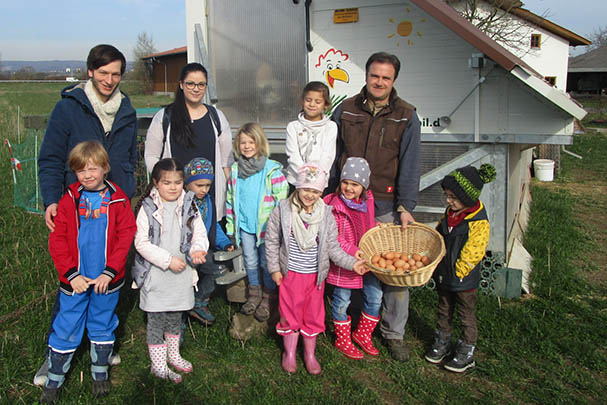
(194, 130)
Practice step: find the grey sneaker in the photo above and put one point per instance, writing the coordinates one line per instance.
(463, 358)
(398, 349)
(42, 373)
(441, 347)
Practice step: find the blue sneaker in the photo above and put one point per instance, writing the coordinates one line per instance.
(202, 313)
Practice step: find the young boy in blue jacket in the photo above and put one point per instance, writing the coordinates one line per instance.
(198, 179)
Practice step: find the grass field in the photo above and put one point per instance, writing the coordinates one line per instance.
(548, 347)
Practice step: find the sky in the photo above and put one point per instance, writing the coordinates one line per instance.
(66, 29)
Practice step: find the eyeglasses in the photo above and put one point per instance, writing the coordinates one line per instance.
(192, 85)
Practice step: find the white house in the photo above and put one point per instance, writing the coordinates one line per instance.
(539, 42)
(478, 102)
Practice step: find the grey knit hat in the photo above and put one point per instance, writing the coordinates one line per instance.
(356, 169)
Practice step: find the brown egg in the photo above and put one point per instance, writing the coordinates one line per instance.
(375, 259)
(411, 262)
(399, 263)
(406, 266)
(413, 268)
(382, 263)
(416, 257)
(404, 256)
(419, 265)
(390, 267)
(400, 270)
(426, 260)
(386, 254)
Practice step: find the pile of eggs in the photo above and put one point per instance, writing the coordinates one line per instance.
(400, 262)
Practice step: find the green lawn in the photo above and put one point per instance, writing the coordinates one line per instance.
(548, 347)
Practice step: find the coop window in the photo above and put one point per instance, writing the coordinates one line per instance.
(551, 80)
(536, 40)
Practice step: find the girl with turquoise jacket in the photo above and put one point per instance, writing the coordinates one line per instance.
(255, 186)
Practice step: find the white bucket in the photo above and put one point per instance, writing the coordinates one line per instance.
(544, 169)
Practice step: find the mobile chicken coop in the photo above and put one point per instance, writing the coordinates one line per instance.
(478, 103)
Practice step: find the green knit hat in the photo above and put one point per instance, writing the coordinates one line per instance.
(467, 182)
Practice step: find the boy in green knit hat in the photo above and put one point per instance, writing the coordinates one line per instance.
(465, 229)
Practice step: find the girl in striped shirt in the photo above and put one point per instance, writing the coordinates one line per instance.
(301, 239)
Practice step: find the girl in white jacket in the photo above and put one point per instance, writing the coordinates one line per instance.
(312, 137)
(171, 238)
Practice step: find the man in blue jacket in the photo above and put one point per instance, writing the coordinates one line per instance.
(94, 110)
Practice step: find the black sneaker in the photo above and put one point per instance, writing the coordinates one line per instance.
(100, 388)
(440, 349)
(49, 395)
(398, 349)
(463, 358)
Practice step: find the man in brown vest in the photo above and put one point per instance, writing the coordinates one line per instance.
(384, 129)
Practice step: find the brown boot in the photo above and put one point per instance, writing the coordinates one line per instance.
(253, 300)
(268, 301)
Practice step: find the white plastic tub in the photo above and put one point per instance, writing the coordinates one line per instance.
(544, 169)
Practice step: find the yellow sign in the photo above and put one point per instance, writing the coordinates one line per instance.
(345, 15)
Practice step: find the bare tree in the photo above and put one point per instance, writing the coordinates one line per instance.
(598, 38)
(496, 18)
(143, 68)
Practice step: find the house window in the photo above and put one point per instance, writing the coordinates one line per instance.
(551, 80)
(536, 41)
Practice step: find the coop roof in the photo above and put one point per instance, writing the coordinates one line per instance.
(174, 51)
(451, 19)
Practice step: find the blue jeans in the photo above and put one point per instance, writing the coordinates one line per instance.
(255, 261)
(372, 294)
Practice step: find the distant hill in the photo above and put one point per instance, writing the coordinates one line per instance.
(46, 66)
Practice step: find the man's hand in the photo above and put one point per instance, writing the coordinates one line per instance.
(49, 216)
(405, 219)
(277, 277)
(198, 257)
(177, 265)
(101, 283)
(80, 284)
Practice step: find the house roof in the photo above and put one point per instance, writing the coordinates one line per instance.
(573, 38)
(591, 61)
(451, 19)
(174, 51)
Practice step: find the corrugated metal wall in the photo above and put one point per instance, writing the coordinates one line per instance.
(259, 54)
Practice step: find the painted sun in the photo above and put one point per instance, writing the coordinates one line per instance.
(404, 29)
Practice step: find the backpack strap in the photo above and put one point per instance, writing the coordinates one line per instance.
(166, 120)
(214, 117)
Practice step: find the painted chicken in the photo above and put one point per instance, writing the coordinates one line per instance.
(331, 62)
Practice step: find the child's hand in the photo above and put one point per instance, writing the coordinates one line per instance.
(198, 257)
(80, 284)
(101, 283)
(177, 265)
(360, 268)
(230, 248)
(277, 277)
(359, 254)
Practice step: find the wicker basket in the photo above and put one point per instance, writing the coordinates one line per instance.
(416, 238)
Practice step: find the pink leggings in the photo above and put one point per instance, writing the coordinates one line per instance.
(301, 305)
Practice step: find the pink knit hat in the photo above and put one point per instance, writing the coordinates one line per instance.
(311, 176)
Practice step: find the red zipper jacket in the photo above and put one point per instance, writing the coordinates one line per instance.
(63, 241)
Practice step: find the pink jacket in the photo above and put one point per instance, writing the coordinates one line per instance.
(351, 225)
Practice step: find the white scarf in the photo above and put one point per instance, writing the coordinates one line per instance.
(306, 237)
(105, 111)
(315, 131)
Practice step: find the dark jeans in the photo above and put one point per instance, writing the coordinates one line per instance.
(207, 273)
(466, 304)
